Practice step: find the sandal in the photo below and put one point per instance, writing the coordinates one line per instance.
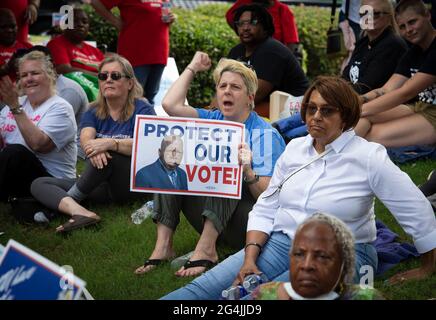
(77, 222)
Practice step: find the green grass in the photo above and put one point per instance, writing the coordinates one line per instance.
(106, 256)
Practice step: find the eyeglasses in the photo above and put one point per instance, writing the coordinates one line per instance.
(375, 14)
(241, 23)
(325, 112)
(115, 75)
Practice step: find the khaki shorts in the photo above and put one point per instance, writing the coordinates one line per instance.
(427, 110)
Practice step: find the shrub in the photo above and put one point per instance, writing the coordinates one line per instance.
(313, 23)
(205, 29)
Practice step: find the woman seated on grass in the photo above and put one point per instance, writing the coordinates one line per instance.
(236, 86)
(330, 170)
(106, 137)
(372, 63)
(37, 130)
(322, 265)
(386, 118)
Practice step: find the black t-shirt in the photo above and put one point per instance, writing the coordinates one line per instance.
(416, 60)
(275, 63)
(374, 62)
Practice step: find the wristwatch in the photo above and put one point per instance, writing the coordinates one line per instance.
(18, 110)
(254, 180)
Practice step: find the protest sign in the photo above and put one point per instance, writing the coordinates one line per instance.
(26, 275)
(186, 156)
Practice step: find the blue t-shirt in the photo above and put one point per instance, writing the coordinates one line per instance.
(265, 143)
(108, 128)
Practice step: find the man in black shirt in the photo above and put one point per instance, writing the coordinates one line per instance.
(385, 117)
(275, 65)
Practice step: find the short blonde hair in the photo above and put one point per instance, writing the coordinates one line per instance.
(102, 109)
(247, 74)
(47, 67)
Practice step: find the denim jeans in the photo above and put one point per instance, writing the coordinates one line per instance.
(149, 75)
(273, 262)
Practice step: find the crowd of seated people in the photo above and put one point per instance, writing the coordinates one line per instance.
(385, 97)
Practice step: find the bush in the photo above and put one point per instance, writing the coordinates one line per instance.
(205, 29)
(193, 32)
(313, 23)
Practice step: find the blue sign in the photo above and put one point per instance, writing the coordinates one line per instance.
(26, 275)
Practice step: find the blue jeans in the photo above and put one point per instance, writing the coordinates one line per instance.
(149, 75)
(273, 262)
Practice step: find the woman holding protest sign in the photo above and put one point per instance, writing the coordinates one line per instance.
(330, 170)
(106, 137)
(213, 217)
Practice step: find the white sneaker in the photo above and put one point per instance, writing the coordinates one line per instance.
(40, 217)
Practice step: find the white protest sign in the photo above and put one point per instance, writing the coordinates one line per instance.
(26, 275)
(186, 156)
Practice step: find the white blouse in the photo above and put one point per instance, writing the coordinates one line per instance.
(343, 183)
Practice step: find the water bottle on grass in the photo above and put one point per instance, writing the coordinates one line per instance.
(142, 213)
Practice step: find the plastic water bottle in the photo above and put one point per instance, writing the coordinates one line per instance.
(165, 11)
(252, 281)
(234, 293)
(142, 213)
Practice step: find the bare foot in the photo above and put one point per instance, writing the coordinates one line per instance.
(195, 271)
(156, 255)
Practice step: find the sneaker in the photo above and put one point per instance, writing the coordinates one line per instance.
(178, 262)
(40, 217)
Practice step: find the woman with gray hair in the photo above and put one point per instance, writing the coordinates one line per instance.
(106, 136)
(37, 130)
(322, 265)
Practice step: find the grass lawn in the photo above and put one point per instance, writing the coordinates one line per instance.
(106, 256)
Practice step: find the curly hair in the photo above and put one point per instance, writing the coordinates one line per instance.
(344, 238)
(257, 12)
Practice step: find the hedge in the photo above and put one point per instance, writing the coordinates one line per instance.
(205, 29)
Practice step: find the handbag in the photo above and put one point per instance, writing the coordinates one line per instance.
(24, 208)
(335, 37)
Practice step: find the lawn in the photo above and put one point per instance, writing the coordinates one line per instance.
(106, 256)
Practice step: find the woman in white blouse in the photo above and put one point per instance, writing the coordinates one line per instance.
(330, 170)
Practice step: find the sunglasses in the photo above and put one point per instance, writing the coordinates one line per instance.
(252, 22)
(375, 14)
(115, 75)
(325, 112)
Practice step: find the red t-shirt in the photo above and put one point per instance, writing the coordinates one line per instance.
(284, 23)
(18, 7)
(7, 52)
(81, 56)
(144, 38)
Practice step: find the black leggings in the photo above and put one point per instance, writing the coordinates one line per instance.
(18, 168)
(110, 184)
